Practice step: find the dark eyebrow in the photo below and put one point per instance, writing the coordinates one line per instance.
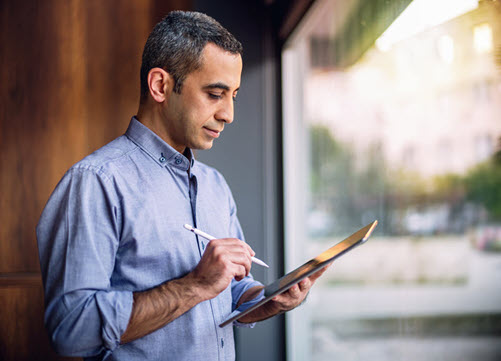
(218, 85)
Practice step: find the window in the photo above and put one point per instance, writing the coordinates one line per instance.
(482, 38)
(384, 119)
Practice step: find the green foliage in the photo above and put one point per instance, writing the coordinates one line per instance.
(446, 183)
(345, 187)
(329, 160)
(352, 189)
(407, 187)
(483, 186)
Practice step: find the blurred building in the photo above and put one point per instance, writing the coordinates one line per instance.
(407, 96)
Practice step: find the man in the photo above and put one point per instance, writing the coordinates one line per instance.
(123, 279)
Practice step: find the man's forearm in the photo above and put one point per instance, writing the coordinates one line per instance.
(157, 307)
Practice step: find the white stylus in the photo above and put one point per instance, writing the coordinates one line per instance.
(210, 238)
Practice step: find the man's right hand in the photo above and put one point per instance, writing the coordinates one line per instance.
(223, 260)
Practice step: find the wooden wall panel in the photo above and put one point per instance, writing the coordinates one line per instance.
(113, 81)
(24, 338)
(69, 73)
(43, 118)
(32, 90)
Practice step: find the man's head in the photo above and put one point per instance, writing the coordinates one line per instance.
(176, 45)
(190, 77)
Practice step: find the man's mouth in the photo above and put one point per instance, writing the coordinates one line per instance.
(212, 132)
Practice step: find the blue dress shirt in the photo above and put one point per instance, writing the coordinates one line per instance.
(113, 226)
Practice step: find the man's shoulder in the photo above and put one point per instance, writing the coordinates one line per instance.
(106, 158)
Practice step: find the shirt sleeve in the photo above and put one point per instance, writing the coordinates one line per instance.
(78, 236)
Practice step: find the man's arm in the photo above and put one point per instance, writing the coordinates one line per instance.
(78, 238)
(284, 302)
(78, 241)
(157, 307)
(223, 260)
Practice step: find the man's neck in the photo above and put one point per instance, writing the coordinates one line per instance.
(151, 117)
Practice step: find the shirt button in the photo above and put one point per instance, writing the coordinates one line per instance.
(203, 246)
(222, 343)
(161, 159)
(179, 160)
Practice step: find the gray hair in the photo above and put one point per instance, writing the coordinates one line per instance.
(176, 44)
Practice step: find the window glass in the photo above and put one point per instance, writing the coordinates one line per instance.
(392, 111)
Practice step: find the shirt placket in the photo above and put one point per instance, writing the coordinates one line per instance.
(214, 303)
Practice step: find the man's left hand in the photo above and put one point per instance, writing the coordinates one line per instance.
(286, 301)
(295, 295)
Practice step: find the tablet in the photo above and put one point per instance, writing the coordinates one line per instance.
(315, 264)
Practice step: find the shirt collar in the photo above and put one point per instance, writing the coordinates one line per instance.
(157, 148)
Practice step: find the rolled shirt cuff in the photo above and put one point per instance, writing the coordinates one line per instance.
(244, 306)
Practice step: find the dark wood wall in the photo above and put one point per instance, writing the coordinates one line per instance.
(69, 84)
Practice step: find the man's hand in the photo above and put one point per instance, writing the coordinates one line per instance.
(286, 301)
(223, 260)
(295, 295)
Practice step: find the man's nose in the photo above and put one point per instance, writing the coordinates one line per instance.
(225, 112)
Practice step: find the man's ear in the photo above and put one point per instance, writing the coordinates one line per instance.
(160, 84)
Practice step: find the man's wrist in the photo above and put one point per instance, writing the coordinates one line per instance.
(191, 290)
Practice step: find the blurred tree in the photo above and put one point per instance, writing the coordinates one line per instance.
(349, 189)
(483, 186)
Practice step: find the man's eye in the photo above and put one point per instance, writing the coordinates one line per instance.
(215, 96)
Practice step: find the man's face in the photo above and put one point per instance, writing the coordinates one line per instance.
(197, 116)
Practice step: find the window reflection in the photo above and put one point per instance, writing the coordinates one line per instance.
(404, 128)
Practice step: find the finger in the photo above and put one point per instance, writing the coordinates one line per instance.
(239, 273)
(317, 274)
(282, 298)
(246, 261)
(286, 301)
(294, 291)
(242, 260)
(231, 247)
(233, 263)
(236, 243)
(247, 265)
(305, 285)
(247, 248)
